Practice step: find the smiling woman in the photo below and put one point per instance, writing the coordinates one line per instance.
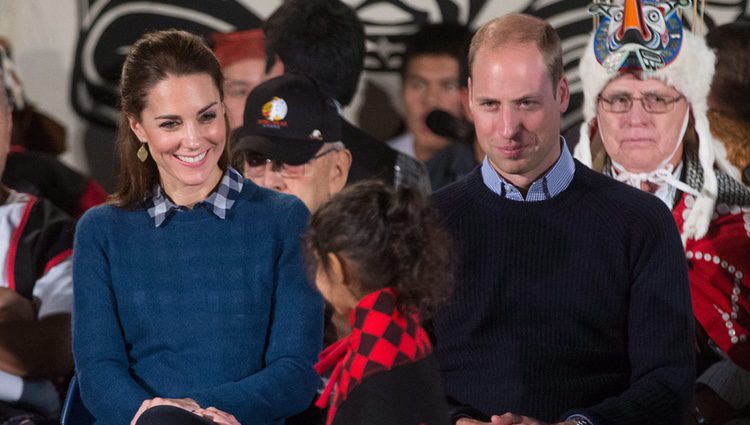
(178, 318)
(184, 128)
(172, 105)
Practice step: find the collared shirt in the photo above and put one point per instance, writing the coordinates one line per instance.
(219, 202)
(403, 143)
(556, 180)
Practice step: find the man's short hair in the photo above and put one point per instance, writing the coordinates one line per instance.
(519, 28)
(444, 39)
(322, 39)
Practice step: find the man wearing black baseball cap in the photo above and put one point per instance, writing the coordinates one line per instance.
(325, 41)
(290, 140)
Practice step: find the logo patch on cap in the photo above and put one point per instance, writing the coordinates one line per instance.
(274, 111)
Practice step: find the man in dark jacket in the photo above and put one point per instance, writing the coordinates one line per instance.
(325, 41)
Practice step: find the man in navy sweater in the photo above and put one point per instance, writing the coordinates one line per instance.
(572, 304)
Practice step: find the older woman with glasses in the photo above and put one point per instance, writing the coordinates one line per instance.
(291, 141)
(662, 144)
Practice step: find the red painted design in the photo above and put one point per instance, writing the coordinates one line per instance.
(10, 266)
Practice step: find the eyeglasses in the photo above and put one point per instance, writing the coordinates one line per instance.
(653, 103)
(255, 164)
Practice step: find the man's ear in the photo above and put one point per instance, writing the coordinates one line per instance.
(342, 162)
(137, 128)
(563, 93)
(276, 69)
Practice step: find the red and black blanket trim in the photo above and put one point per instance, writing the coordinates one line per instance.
(382, 338)
(42, 240)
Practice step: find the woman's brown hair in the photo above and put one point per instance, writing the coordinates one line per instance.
(153, 58)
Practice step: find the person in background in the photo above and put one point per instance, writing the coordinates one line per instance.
(192, 304)
(242, 56)
(361, 245)
(325, 41)
(648, 127)
(36, 293)
(729, 99)
(291, 141)
(32, 165)
(567, 308)
(431, 74)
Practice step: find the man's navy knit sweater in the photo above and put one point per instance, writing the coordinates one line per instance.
(576, 304)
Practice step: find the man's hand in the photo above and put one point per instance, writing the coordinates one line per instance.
(15, 308)
(507, 419)
(183, 403)
(513, 419)
(468, 421)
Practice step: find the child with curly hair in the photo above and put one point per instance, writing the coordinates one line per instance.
(383, 261)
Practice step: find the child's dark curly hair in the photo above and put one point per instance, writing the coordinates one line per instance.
(385, 237)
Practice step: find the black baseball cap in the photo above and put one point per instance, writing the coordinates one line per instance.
(288, 118)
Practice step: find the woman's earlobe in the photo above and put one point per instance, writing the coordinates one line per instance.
(136, 128)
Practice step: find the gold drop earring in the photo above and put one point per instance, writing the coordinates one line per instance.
(142, 153)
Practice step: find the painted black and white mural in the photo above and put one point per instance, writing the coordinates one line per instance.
(109, 26)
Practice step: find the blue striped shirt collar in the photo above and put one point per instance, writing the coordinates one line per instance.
(551, 184)
(219, 202)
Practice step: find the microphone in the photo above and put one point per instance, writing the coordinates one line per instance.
(446, 125)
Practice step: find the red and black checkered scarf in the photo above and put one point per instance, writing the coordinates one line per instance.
(382, 338)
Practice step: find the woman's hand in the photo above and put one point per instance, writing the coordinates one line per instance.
(217, 416)
(183, 403)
